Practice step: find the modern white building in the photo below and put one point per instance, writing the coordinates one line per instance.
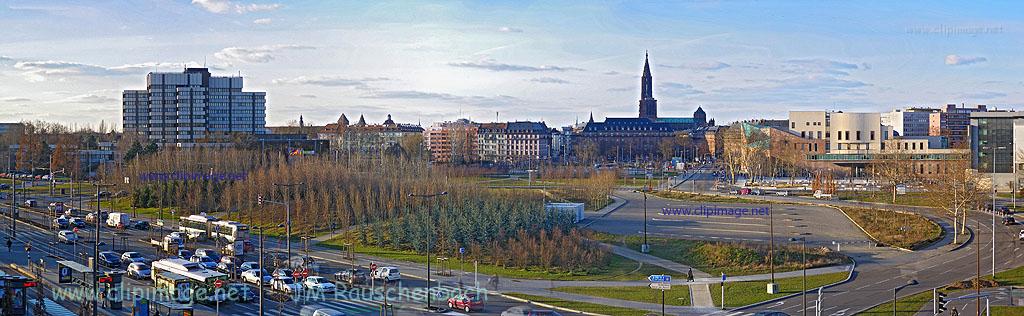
(182, 109)
(911, 121)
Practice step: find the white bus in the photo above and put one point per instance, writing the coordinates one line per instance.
(230, 230)
(196, 227)
(203, 288)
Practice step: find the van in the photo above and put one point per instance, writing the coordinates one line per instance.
(387, 274)
(118, 220)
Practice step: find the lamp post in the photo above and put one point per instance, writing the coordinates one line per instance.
(96, 243)
(803, 256)
(994, 208)
(772, 287)
(429, 236)
(645, 248)
(288, 219)
(897, 289)
(261, 267)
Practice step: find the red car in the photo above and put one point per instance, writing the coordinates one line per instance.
(466, 302)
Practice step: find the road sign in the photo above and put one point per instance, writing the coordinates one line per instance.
(218, 284)
(64, 276)
(661, 286)
(660, 278)
(462, 250)
(723, 277)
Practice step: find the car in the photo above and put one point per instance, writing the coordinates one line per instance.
(184, 254)
(110, 259)
(254, 275)
(77, 222)
(139, 225)
(285, 285)
(351, 276)
(91, 217)
(208, 253)
(132, 257)
(103, 194)
(30, 203)
(138, 270)
(241, 292)
(67, 236)
(5, 186)
(61, 223)
(466, 302)
(282, 272)
(388, 274)
(249, 265)
(1009, 220)
(319, 284)
(204, 261)
(227, 267)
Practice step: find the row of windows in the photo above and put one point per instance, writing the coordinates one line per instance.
(845, 135)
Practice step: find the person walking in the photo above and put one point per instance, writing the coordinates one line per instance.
(9, 243)
(689, 274)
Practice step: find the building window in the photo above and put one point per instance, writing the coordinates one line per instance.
(793, 124)
(872, 135)
(858, 135)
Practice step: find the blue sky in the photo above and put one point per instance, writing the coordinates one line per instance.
(556, 61)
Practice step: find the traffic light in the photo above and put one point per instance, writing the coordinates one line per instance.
(940, 302)
(259, 199)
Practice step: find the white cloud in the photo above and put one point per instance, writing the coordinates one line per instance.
(507, 29)
(262, 21)
(491, 65)
(549, 80)
(89, 99)
(226, 6)
(957, 60)
(497, 100)
(255, 55)
(708, 66)
(328, 81)
(41, 70)
(984, 95)
(16, 99)
(308, 96)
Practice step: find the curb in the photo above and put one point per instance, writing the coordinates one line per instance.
(848, 278)
(970, 238)
(547, 305)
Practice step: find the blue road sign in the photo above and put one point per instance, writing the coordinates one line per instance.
(462, 250)
(723, 277)
(656, 278)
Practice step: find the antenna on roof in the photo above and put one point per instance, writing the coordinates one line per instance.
(204, 61)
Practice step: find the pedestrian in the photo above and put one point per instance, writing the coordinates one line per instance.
(28, 247)
(689, 274)
(955, 312)
(9, 243)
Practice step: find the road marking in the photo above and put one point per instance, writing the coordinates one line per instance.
(706, 222)
(718, 230)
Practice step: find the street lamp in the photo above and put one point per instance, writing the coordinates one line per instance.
(645, 248)
(96, 244)
(897, 289)
(429, 236)
(288, 219)
(993, 175)
(803, 255)
(261, 276)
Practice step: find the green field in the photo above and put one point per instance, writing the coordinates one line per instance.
(124, 204)
(706, 198)
(617, 269)
(746, 293)
(905, 230)
(1008, 310)
(678, 295)
(730, 258)
(910, 199)
(581, 306)
(907, 306)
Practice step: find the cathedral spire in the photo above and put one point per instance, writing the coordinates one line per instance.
(648, 105)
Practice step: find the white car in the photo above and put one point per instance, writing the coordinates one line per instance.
(132, 257)
(319, 284)
(67, 236)
(286, 285)
(138, 271)
(388, 274)
(204, 261)
(253, 276)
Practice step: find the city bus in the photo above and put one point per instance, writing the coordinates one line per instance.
(177, 287)
(202, 280)
(201, 227)
(196, 227)
(229, 230)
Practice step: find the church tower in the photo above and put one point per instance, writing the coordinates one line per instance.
(648, 105)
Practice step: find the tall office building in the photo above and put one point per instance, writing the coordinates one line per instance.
(182, 109)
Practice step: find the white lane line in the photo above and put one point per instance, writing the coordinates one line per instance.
(698, 221)
(717, 230)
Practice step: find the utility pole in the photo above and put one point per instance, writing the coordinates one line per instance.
(288, 218)
(96, 244)
(430, 236)
(261, 269)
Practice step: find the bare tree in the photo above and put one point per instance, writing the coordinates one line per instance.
(892, 168)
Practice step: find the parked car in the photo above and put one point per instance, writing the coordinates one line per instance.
(139, 225)
(61, 223)
(388, 274)
(286, 285)
(466, 302)
(67, 236)
(319, 284)
(254, 275)
(241, 292)
(138, 270)
(227, 267)
(204, 261)
(110, 259)
(249, 265)
(282, 272)
(184, 254)
(132, 257)
(351, 276)
(1009, 220)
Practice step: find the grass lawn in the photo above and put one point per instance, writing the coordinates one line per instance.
(906, 230)
(617, 269)
(911, 198)
(1012, 277)
(1008, 310)
(907, 306)
(746, 293)
(678, 295)
(706, 198)
(728, 257)
(581, 306)
(124, 204)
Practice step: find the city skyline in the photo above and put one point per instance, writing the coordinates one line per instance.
(421, 62)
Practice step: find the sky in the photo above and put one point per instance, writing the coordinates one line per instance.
(556, 61)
